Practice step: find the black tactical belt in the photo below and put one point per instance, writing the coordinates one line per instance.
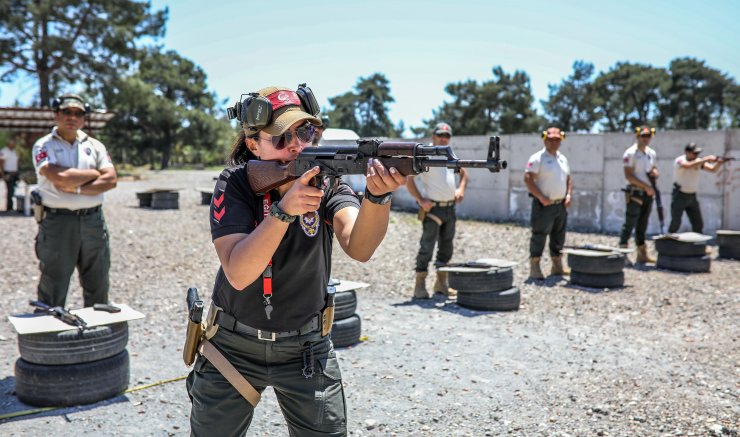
(444, 204)
(557, 202)
(63, 211)
(228, 322)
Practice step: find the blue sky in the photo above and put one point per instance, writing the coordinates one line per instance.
(421, 46)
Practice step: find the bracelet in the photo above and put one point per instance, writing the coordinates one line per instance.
(378, 200)
(281, 215)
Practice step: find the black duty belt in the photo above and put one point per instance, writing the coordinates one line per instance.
(443, 204)
(634, 191)
(228, 322)
(557, 201)
(64, 211)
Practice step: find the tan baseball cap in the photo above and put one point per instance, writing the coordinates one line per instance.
(286, 106)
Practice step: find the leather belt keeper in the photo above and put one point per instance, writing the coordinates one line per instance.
(228, 322)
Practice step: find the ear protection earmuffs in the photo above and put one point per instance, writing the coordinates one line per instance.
(638, 129)
(57, 101)
(544, 135)
(256, 111)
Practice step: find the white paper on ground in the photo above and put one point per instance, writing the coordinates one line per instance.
(38, 323)
(349, 285)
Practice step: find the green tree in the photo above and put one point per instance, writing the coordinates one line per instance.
(501, 105)
(365, 109)
(570, 105)
(72, 41)
(698, 95)
(629, 95)
(165, 104)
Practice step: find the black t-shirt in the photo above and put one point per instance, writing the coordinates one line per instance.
(301, 264)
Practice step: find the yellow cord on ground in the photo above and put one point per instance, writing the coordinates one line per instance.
(42, 410)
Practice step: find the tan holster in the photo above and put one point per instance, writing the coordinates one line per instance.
(219, 361)
(630, 198)
(327, 320)
(423, 214)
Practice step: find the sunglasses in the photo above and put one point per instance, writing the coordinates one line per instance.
(444, 135)
(304, 133)
(71, 113)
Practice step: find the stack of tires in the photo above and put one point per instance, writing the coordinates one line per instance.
(165, 200)
(205, 196)
(74, 367)
(596, 268)
(682, 255)
(347, 327)
(729, 244)
(487, 288)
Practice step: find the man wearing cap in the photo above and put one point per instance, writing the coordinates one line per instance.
(639, 161)
(9, 170)
(74, 170)
(320, 130)
(548, 180)
(436, 193)
(685, 184)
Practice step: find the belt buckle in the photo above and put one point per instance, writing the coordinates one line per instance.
(259, 336)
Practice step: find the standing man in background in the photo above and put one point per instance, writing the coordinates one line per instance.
(436, 193)
(74, 170)
(685, 185)
(639, 160)
(548, 180)
(9, 170)
(320, 131)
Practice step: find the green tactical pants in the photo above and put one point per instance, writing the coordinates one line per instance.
(685, 202)
(636, 217)
(68, 241)
(312, 406)
(432, 233)
(547, 220)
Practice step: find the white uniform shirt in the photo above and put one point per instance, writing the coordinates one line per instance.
(641, 162)
(552, 173)
(687, 178)
(10, 160)
(437, 184)
(85, 153)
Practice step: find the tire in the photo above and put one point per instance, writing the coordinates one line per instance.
(729, 252)
(600, 264)
(165, 200)
(673, 247)
(507, 300)
(480, 279)
(145, 200)
(346, 332)
(345, 304)
(205, 197)
(73, 384)
(608, 280)
(728, 238)
(73, 346)
(694, 264)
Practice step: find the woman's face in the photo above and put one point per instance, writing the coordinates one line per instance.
(284, 148)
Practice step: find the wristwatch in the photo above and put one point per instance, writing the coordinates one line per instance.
(278, 213)
(378, 200)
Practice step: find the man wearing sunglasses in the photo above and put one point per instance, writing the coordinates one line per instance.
(437, 194)
(685, 185)
(638, 161)
(74, 170)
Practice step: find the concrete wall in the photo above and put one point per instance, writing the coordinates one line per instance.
(596, 166)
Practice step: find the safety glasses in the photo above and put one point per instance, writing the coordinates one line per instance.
(72, 113)
(304, 133)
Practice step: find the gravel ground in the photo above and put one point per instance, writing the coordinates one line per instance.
(658, 357)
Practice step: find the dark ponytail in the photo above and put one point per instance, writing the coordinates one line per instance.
(240, 154)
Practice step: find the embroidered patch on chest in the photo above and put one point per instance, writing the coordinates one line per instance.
(310, 223)
(88, 151)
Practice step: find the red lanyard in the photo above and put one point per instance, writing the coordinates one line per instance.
(267, 274)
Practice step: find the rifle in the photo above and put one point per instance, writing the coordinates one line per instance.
(61, 314)
(408, 158)
(195, 328)
(658, 202)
